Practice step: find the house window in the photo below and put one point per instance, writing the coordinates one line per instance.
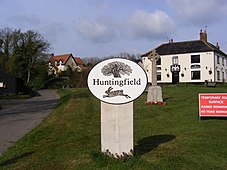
(159, 76)
(218, 59)
(223, 76)
(195, 75)
(159, 68)
(158, 62)
(195, 58)
(175, 60)
(218, 75)
(223, 61)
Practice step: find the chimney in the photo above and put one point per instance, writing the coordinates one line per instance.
(217, 46)
(171, 41)
(203, 35)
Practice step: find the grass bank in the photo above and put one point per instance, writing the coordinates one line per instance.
(165, 137)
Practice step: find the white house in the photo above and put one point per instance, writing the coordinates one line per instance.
(64, 62)
(188, 62)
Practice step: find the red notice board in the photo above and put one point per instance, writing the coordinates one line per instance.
(213, 104)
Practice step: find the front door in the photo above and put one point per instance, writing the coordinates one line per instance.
(175, 77)
(175, 69)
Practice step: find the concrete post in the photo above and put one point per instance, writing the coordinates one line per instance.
(117, 129)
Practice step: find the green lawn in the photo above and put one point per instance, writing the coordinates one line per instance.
(165, 137)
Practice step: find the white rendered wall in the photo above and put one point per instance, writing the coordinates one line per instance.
(206, 64)
(184, 60)
(222, 67)
(71, 62)
(147, 66)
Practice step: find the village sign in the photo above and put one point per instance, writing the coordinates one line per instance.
(117, 81)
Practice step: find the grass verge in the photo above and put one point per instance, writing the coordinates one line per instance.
(165, 137)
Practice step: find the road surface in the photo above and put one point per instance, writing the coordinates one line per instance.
(18, 117)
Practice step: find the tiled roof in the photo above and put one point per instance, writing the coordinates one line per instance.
(64, 58)
(185, 47)
(79, 61)
(57, 58)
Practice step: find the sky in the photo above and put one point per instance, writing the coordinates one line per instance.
(100, 28)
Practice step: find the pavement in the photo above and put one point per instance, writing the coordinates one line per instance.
(18, 117)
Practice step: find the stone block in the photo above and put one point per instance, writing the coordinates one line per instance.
(154, 94)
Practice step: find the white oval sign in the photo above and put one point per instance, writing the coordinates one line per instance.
(117, 81)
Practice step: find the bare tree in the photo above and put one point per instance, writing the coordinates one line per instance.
(91, 61)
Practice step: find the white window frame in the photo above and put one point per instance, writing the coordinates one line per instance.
(175, 60)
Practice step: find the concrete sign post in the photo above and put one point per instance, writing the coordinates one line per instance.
(117, 83)
(117, 129)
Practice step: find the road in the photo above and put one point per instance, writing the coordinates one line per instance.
(18, 117)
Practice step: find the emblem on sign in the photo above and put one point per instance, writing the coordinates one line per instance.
(117, 81)
(116, 69)
(115, 93)
(175, 68)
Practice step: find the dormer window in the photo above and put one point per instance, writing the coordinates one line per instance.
(55, 63)
(60, 62)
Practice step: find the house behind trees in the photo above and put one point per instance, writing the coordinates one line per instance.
(60, 63)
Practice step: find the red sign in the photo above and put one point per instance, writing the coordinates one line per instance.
(213, 104)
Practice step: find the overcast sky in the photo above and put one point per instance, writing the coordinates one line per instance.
(99, 28)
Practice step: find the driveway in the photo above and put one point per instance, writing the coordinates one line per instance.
(18, 117)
